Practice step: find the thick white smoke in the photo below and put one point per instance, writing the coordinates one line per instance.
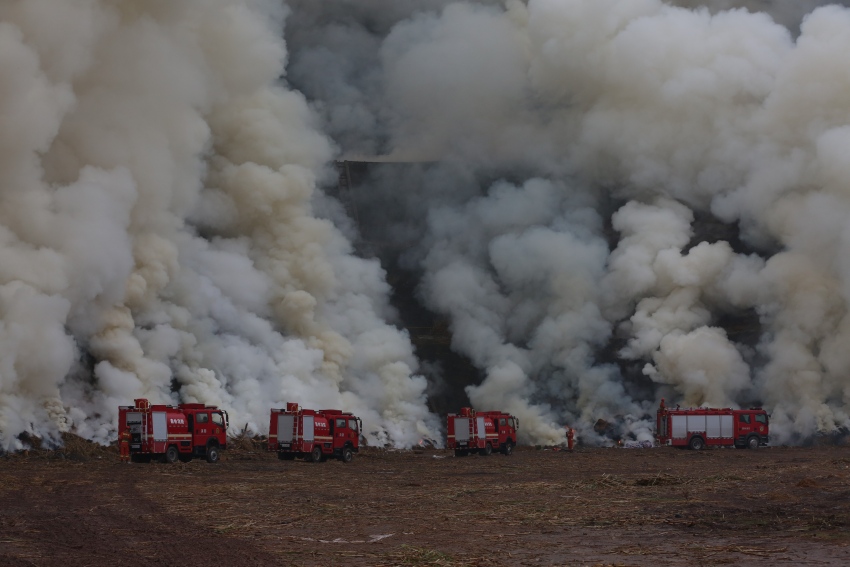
(163, 233)
(622, 127)
(157, 231)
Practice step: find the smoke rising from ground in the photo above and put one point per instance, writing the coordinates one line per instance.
(157, 232)
(164, 233)
(581, 283)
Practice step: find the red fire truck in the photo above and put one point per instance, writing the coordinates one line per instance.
(314, 434)
(173, 432)
(481, 432)
(709, 427)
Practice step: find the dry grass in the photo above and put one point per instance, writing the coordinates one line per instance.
(428, 508)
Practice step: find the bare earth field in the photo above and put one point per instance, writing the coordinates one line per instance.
(775, 506)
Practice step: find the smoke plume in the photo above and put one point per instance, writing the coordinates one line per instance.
(608, 202)
(157, 229)
(625, 200)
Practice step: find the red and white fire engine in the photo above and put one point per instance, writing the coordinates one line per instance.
(481, 432)
(314, 434)
(174, 432)
(709, 427)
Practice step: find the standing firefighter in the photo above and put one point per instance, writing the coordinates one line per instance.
(124, 445)
(571, 437)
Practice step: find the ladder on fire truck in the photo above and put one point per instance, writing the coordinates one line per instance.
(143, 434)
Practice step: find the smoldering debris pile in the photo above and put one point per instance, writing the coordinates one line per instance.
(631, 444)
(838, 437)
(246, 447)
(71, 447)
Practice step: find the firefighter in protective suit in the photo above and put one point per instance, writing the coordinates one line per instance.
(124, 445)
(571, 436)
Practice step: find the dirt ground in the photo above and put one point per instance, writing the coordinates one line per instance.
(599, 507)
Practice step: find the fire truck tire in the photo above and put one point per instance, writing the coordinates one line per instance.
(753, 442)
(316, 455)
(212, 454)
(486, 451)
(696, 443)
(171, 455)
(347, 455)
(509, 448)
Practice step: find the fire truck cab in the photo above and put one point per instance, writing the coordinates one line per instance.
(481, 432)
(698, 428)
(173, 433)
(313, 434)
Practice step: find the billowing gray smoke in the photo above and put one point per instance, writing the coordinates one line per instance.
(163, 230)
(615, 133)
(157, 236)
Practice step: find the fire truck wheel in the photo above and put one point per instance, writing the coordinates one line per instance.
(171, 454)
(753, 442)
(486, 451)
(212, 454)
(316, 455)
(509, 448)
(347, 455)
(696, 444)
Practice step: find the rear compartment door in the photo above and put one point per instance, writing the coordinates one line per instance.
(160, 426)
(462, 430)
(133, 418)
(285, 424)
(679, 426)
